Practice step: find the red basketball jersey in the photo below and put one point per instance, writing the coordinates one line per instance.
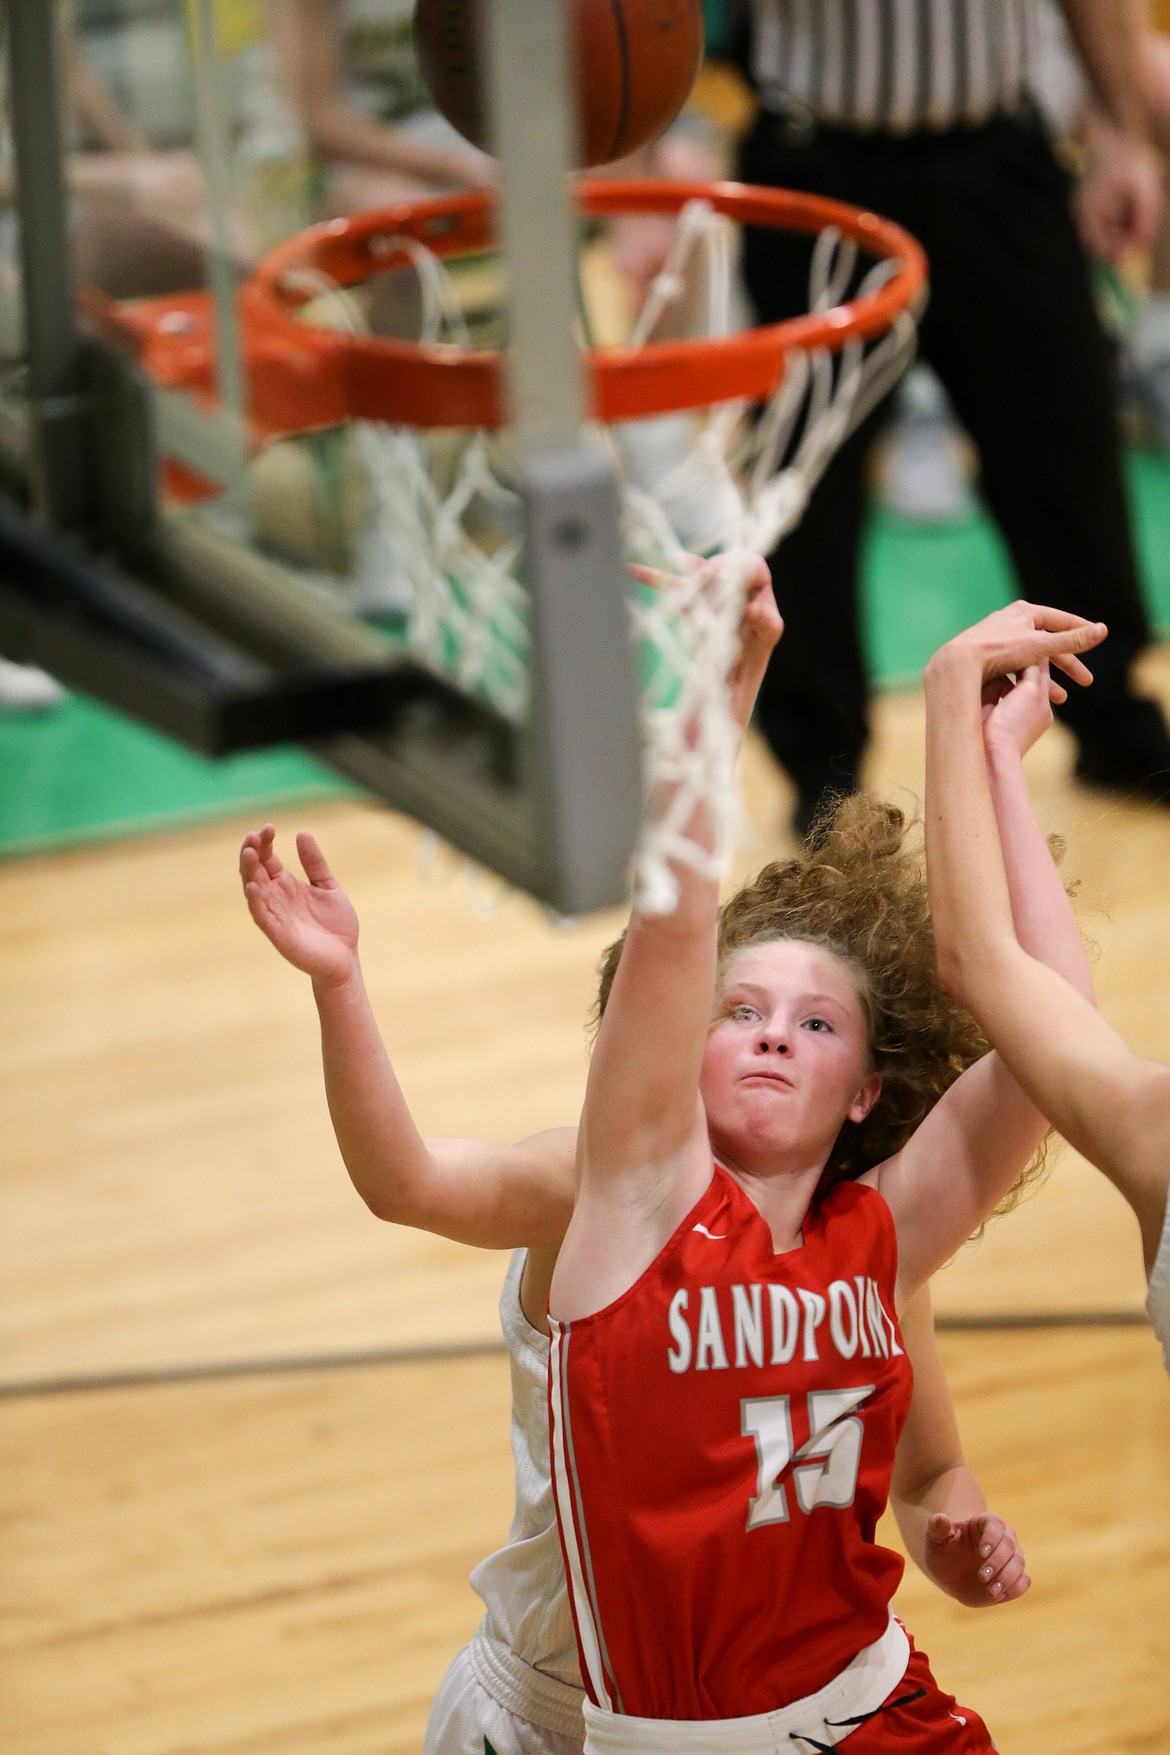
(723, 1436)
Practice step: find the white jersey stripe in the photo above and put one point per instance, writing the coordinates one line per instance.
(569, 1510)
(582, 1531)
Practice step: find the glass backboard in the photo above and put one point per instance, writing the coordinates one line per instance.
(255, 588)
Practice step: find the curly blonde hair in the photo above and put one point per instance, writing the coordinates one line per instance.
(858, 889)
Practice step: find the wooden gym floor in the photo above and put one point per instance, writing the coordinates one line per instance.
(253, 1441)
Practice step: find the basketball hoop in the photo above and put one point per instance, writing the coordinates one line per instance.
(430, 412)
(426, 384)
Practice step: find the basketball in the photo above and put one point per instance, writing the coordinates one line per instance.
(636, 61)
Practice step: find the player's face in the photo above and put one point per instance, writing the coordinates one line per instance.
(787, 1057)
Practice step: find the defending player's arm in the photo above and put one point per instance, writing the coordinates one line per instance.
(986, 1126)
(1112, 1105)
(469, 1190)
(949, 1533)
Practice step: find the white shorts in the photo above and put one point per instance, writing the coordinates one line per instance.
(467, 1720)
(1158, 1301)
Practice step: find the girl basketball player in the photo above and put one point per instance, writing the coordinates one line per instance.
(1110, 1103)
(727, 1378)
(517, 1683)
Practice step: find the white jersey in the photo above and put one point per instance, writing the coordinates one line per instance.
(525, 1652)
(1158, 1302)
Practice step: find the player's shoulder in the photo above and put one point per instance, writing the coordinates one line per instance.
(855, 1205)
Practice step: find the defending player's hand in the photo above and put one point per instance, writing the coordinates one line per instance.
(976, 1560)
(1010, 640)
(313, 925)
(1017, 714)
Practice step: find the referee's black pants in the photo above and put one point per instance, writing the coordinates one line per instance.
(1013, 333)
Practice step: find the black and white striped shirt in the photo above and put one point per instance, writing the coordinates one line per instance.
(892, 65)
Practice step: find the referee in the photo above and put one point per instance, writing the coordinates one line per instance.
(919, 110)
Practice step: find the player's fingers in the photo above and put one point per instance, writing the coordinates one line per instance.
(316, 867)
(1072, 668)
(991, 1565)
(991, 1532)
(939, 1529)
(266, 848)
(255, 838)
(1060, 646)
(658, 579)
(1034, 681)
(1052, 620)
(759, 579)
(1009, 1574)
(1081, 638)
(1001, 1555)
(1072, 633)
(762, 622)
(1057, 694)
(256, 896)
(1016, 1590)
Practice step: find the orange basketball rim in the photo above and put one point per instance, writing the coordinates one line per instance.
(329, 377)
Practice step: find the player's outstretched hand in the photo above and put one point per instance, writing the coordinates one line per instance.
(312, 924)
(1008, 641)
(976, 1560)
(760, 628)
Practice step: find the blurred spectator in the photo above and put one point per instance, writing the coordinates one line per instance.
(366, 114)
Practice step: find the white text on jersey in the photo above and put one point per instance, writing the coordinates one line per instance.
(768, 1330)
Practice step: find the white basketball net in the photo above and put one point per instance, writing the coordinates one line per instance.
(716, 482)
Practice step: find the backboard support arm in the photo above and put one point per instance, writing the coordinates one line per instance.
(56, 367)
(583, 744)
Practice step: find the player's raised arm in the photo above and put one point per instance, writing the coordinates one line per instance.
(643, 1151)
(470, 1190)
(1113, 1106)
(981, 1134)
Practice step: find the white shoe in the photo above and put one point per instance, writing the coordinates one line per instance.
(25, 689)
